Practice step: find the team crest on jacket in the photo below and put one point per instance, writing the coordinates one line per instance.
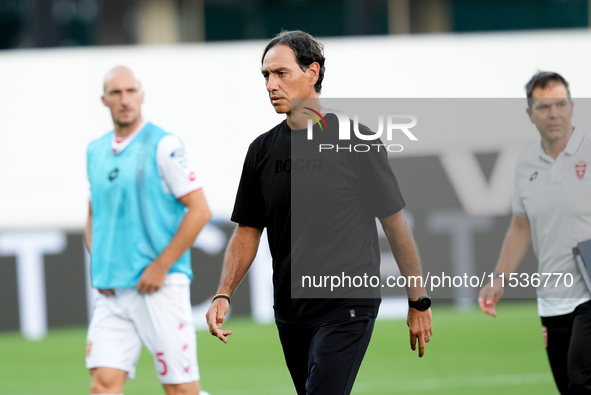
(581, 167)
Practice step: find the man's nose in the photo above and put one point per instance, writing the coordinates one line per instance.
(125, 98)
(272, 83)
(553, 111)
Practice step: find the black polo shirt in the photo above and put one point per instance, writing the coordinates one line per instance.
(319, 209)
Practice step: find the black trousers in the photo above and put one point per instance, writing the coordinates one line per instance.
(568, 346)
(324, 359)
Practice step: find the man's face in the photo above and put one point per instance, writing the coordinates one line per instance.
(123, 96)
(285, 80)
(551, 112)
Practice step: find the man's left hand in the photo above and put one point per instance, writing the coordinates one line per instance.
(420, 328)
(153, 278)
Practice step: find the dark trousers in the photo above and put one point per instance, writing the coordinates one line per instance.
(324, 359)
(568, 346)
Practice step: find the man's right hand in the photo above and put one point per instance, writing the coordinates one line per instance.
(489, 296)
(215, 318)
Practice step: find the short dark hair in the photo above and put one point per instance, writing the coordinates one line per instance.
(540, 80)
(306, 48)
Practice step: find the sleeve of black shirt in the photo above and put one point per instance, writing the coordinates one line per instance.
(249, 207)
(380, 188)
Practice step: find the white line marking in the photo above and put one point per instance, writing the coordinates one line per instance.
(456, 382)
(393, 386)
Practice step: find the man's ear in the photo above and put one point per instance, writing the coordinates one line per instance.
(313, 73)
(104, 101)
(528, 110)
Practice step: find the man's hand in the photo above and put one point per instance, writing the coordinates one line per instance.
(215, 318)
(513, 250)
(489, 296)
(419, 327)
(153, 278)
(196, 217)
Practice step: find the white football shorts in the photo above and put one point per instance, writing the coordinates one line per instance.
(162, 321)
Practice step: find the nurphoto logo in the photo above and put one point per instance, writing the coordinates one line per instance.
(391, 124)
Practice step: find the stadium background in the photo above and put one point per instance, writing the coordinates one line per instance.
(199, 65)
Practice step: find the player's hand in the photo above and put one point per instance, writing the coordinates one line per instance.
(420, 328)
(106, 292)
(215, 318)
(489, 296)
(152, 278)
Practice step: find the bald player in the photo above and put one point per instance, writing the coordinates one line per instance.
(146, 208)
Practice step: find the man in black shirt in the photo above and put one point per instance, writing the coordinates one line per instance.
(319, 210)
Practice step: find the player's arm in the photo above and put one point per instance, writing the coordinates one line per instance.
(240, 253)
(405, 251)
(513, 250)
(197, 215)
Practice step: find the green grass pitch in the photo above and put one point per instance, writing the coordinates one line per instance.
(470, 353)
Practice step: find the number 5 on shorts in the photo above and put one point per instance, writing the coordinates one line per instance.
(159, 359)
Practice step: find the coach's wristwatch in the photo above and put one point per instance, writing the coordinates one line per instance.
(421, 304)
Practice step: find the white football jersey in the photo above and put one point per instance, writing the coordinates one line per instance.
(178, 176)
